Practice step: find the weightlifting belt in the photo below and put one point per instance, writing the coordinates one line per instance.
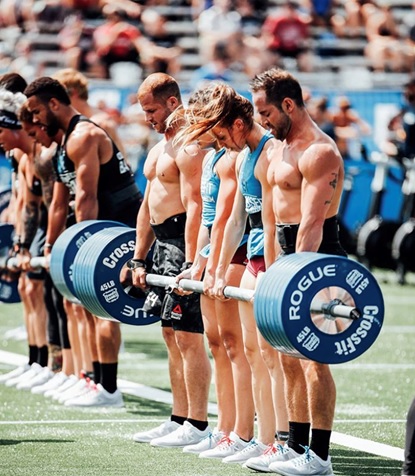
(173, 227)
(255, 220)
(287, 235)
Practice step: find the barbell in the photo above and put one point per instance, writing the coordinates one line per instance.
(320, 307)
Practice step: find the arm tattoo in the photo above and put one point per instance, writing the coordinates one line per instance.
(30, 222)
(332, 184)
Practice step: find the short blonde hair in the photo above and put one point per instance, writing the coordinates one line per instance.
(73, 80)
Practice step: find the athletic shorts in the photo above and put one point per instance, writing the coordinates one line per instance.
(256, 265)
(182, 313)
(36, 249)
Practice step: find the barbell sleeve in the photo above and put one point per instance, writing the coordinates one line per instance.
(331, 309)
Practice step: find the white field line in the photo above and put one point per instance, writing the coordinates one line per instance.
(143, 391)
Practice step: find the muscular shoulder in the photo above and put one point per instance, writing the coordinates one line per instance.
(320, 158)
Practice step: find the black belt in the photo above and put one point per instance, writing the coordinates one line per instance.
(255, 220)
(173, 227)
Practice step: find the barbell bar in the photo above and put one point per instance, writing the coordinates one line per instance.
(332, 309)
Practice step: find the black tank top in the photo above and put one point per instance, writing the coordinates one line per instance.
(118, 194)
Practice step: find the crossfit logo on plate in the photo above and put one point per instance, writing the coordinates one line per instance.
(349, 345)
(112, 260)
(304, 284)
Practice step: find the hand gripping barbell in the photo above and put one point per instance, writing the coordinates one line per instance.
(321, 307)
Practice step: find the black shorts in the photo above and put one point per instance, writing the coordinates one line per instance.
(182, 313)
(36, 249)
(287, 236)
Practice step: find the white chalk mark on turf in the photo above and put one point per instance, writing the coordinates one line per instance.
(149, 393)
(378, 449)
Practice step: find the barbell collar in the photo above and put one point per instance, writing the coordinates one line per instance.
(336, 308)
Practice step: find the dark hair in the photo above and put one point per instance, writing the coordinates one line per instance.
(13, 82)
(278, 85)
(25, 115)
(46, 88)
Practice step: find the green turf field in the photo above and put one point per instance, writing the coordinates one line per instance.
(40, 437)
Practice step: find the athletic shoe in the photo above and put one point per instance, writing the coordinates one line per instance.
(307, 464)
(185, 435)
(14, 373)
(254, 448)
(97, 397)
(162, 430)
(227, 446)
(208, 443)
(42, 377)
(55, 393)
(274, 453)
(33, 370)
(81, 387)
(56, 381)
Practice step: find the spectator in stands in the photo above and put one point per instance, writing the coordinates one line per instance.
(218, 69)
(402, 144)
(385, 49)
(16, 13)
(76, 40)
(321, 11)
(159, 54)
(220, 22)
(352, 23)
(116, 39)
(348, 128)
(286, 35)
(320, 113)
(253, 13)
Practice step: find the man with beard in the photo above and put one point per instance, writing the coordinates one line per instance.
(306, 176)
(89, 166)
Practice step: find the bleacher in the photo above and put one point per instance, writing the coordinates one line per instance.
(335, 58)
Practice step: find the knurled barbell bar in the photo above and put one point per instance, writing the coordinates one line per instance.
(321, 307)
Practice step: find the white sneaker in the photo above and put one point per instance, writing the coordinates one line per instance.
(72, 389)
(162, 430)
(274, 453)
(33, 370)
(227, 446)
(63, 387)
(307, 464)
(52, 384)
(185, 435)
(97, 397)
(14, 373)
(253, 449)
(42, 377)
(208, 443)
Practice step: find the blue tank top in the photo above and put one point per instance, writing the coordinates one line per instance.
(251, 190)
(210, 190)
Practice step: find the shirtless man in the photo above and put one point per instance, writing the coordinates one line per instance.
(170, 216)
(91, 167)
(306, 177)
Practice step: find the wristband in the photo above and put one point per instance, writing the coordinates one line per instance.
(186, 265)
(48, 245)
(136, 263)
